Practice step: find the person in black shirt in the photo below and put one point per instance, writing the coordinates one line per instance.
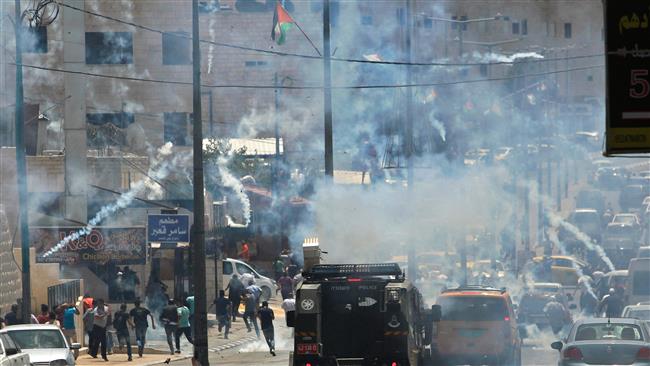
(11, 318)
(169, 318)
(121, 323)
(266, 321)
(139, 315)
(223, 308)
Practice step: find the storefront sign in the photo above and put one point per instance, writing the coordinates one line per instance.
(627, 42)
(101, 245)
(168, 228)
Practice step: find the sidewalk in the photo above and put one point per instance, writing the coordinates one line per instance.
(121, 359)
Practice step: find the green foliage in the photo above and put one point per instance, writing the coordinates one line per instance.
(239, 165)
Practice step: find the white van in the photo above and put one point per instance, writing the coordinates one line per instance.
(235, 266)
(638, 282)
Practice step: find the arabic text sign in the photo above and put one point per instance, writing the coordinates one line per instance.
(101, 245)
(628, 76)
(168, 228)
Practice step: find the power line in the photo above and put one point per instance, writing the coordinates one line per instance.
(319, 57)
(314, 87)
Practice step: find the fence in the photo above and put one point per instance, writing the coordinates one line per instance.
(65, 292)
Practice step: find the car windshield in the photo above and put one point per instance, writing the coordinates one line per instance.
(641, 314)
(473, 308)
(624, 219)
(38, 338)
(585, 218)
(605, 331)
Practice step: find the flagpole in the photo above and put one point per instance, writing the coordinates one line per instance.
(306, 36)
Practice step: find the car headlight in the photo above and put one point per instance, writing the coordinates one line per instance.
(59, 363)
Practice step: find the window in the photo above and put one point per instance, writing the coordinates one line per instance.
(567, 30)
(119, 119)
(242, 268)
(175, 128)
(464, 25)
(35, 40)
(109, 48)
(515, 28)
(176, 48)
(454, 24)
(473, 308)
(227, 268)
(641, 283)
(366, 20)
(524, 27)
(428, 23)
(484, 70)
(401, 16)
(255, 63)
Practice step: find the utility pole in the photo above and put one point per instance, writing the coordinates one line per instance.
(412, 265)
(327, 92)
(21, 171)
(198, 240)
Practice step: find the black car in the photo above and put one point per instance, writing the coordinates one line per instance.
(605, 341)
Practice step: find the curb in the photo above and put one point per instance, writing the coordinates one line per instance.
(154, 363)
(233, 344)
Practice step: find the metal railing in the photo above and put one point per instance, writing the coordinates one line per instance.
(65, 292)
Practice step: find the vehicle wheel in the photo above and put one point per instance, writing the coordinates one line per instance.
(266, 294)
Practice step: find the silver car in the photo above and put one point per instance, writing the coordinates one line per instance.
(45, 344)
(603, 341)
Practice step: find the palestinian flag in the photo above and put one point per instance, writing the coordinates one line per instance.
(282, 22)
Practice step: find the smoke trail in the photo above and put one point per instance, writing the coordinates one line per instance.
(552, 236)
(557, 221)
(440, 128)
(160, 169)
(230, 181)
(211, 48)
(496, 57)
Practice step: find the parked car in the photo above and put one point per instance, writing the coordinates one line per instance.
(588, 221)
(639, 311)
(638, 289)
(631, 197)
(602, 341)
(564, 269)
(235, 266)
(610, 178)
(10, 353)
(628, 219)
(45, 344)
(644, 252)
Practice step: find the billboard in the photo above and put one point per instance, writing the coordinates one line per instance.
(101, 245)
(627, 44)
(168, 228)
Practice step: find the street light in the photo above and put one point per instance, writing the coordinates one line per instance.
(460, 25)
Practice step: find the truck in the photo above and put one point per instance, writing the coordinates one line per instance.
(359, 314)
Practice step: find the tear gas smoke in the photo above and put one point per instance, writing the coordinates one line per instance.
(159, 170)
(213, 38)
(583, 279)
(440, 128)
(228, 180)
(557, 221)
(495, 57)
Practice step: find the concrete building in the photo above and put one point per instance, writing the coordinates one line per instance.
(125, 116)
